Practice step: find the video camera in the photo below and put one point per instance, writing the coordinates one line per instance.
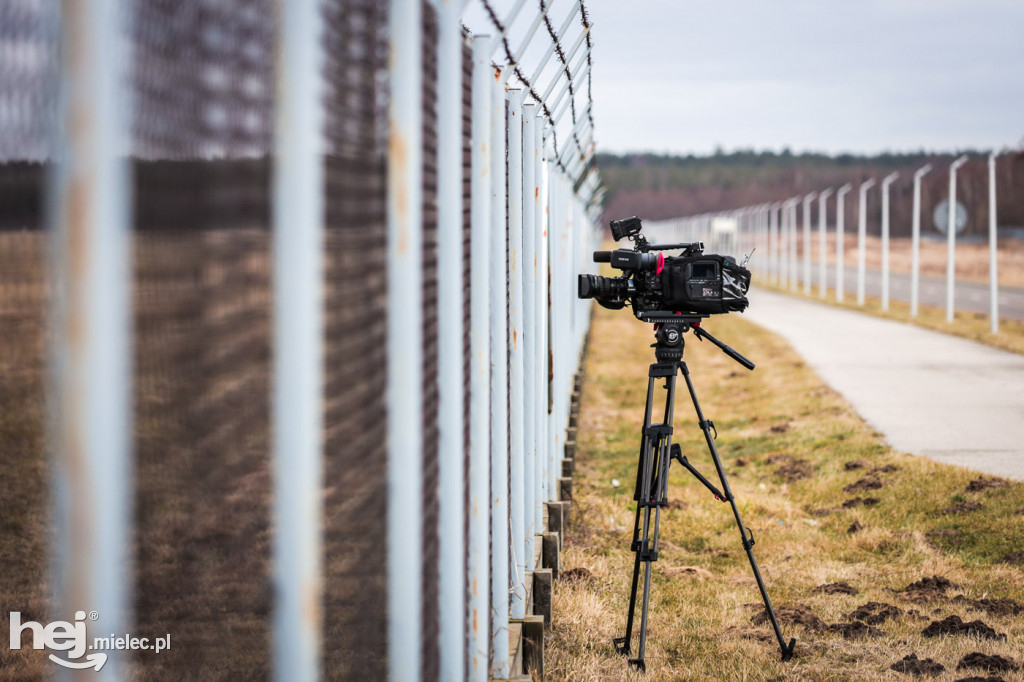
(661, 288)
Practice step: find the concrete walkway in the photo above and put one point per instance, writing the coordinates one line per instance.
(929, 393)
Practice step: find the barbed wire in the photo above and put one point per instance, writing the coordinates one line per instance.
(585, 18)
(565, 68)
(560, 51)
(519, 74)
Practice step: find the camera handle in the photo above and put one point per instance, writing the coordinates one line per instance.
(728, 350)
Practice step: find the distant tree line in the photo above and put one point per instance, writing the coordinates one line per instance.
(657, 186)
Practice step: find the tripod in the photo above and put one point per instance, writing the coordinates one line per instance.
(656, 454)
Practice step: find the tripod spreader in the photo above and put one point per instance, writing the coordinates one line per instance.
(651, 493)
(677, 454)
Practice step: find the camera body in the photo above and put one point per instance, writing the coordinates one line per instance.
(693, 283)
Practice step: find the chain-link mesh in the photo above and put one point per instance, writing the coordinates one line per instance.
(431, 539)
(29, 35)
(202, 85)
(355, 473)
(467, 233)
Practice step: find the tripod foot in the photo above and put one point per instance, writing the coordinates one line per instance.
(638, 664)
(621, 645)
(787, 652)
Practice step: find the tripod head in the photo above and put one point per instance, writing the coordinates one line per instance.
(669, 335)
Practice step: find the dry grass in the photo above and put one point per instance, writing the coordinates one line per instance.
(968, 325)
(972, 258)
(700, 628)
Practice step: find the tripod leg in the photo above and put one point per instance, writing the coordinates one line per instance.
(623, 644)
(655, 491)
(746, 536)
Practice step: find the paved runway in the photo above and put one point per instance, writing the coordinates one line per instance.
(929, 393)
(969, 296)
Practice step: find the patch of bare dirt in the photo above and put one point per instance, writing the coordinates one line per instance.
(820, 512)
(854, 630)
(994, 663)
(836, 588)
(979, 678)
(795, 470)
(993, 607)
(678, 504)
(962, 508)
(912, 665)
(927, 589)
(982, 483)
(954, 625)
(1016, 558)
(871, 482)
(792, 615)
(856, 464)
(860, 502)
(887, 469)
(854, 527)
(874, 613)
(740, 462)
(579, 573)
(780, 428)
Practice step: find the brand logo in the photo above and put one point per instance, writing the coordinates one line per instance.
(61, 635)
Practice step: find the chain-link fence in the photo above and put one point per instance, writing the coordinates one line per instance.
(280, 283)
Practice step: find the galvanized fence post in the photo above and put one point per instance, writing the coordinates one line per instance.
(823, 241)
(862, 229)
(517, 420)
(543, 336)
(841, 239)
(807, 242)
(451, 506)
(298, 215)
(888, 180)
(773, 244)
(479, 577)
(915, 239)
(951, 239)
(90, 197)
(405, 336)
(529, 270)
(993, 261)
(499, 385)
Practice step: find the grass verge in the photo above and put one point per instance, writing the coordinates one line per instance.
(968, 325)
(828, 502)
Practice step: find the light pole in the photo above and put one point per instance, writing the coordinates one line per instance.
(822, 245)
(993, 265)
(951, 238)
(889, 179)
(840, 239)
(915, 239)
(862, 230)
(807, 241)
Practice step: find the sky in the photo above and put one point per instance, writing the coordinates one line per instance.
(811, 75)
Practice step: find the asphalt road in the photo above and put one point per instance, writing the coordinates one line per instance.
(968, 296)
(929, 393)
